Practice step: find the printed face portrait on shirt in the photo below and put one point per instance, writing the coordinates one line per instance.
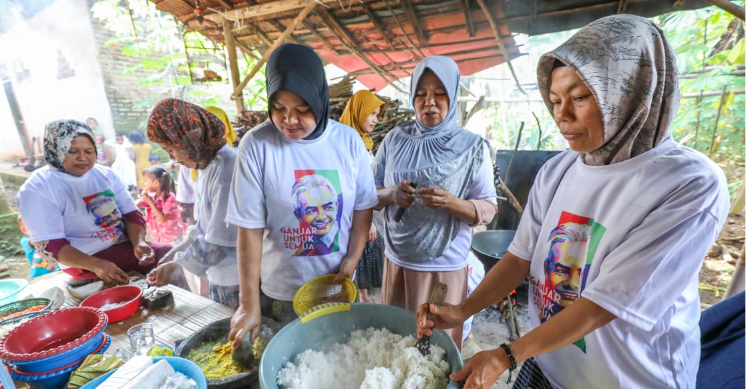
(106, 215)
(317, 205)
(564, 266)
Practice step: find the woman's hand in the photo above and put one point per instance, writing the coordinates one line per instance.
(348, 266)
(246, 319)
(447, 316)
(403, 194)
(436, 197)
(372, 234)
(144, 253)
(483, 369)
(110, 273)
(162, 275)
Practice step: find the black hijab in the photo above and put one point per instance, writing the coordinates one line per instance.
(296, 68)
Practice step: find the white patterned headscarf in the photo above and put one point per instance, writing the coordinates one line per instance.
(58, 136)
(630, 68)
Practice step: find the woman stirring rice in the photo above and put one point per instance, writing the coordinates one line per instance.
(615, 229)
(363, 111)
(196, 139)
(302, 193)
(452, 170)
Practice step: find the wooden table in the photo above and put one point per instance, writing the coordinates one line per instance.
(191, 312)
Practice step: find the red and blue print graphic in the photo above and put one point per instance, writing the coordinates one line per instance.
(571, 248)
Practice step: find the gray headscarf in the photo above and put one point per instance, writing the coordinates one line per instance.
(630, 68)
(421, 146)
(445, 155)
(58, 136)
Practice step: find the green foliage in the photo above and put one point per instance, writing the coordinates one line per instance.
(160, 47)
(710, 52)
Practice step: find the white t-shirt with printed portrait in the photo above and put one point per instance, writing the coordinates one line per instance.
(86, 210)
(631, 238)
(303, 193)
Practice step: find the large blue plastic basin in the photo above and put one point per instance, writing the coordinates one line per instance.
(181, 365)
(331, 323)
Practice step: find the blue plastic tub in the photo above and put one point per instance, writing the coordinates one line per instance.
(58, 379)
(181, 365)
(62, 359)
(331, 323)
(10, 289)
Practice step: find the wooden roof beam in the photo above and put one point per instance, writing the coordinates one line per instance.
(495, 30)
(376, 24)
(339, 31)
(320, 37)
(415, 23)
(265, 9)
(280, 27)
(729, 7)
(245, 49)
(226, 4)
(469, 20)
(298, 20)
(332, 24)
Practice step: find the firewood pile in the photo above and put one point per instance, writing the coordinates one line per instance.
(340, 93)
(395, 114)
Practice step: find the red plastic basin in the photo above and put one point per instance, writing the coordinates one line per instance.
(52, 333)
(127, 295)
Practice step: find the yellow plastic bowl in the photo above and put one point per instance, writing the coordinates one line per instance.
(321, 288)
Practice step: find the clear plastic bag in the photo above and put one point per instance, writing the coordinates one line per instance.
(179, 381)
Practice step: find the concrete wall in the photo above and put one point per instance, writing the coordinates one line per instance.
(59, 33)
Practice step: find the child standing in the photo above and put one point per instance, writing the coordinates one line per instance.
(39, 266)
(162, 210)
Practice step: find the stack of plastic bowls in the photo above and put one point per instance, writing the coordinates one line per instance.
(45, 350)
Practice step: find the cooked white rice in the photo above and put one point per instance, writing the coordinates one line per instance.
(372, 359)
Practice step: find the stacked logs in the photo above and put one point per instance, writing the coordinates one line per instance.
(395, 115)
(340, 93)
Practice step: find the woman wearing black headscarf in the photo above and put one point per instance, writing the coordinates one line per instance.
(302, 193)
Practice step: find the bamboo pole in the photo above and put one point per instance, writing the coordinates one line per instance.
(717, 119)
(238, 90)
(233, 66)
(729, 7)
(411, 13)
(260, 10)
(737, 206)
(738, 278)
(498, 37)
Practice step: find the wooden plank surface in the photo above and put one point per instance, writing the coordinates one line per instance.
(190, 313)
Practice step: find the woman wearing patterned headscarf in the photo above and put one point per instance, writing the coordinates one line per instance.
(362, 112)
(452, 170)
(615, 229)
(302, 193)
(196, 139)
(80, 215)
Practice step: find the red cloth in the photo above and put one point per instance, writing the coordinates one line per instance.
(123, 256)
(135, 217)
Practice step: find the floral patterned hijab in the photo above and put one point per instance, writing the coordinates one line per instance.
(58, 136)
(188, 127)
(630, 68)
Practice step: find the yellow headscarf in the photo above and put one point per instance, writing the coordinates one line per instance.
(361, 105)
(231, 136)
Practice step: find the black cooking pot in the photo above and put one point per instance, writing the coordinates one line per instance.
(490, 245)
(216, 332)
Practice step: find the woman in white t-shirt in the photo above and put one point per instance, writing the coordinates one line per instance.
(196, 139)
(452, 170)
(615, 229)
(79, 214)
(302, 193)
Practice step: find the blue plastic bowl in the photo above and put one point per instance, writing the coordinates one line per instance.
(62, 359)
(10, 289)
(55, 380)
(181, 365)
